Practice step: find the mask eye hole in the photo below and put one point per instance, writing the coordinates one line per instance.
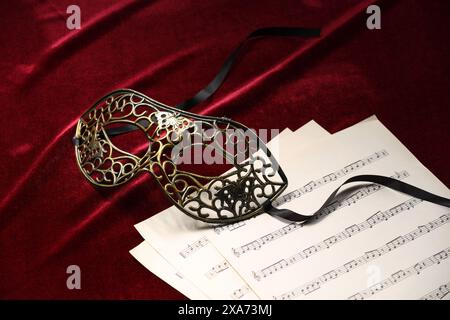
(134, 142)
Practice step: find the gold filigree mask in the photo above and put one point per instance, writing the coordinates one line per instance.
(254, 180)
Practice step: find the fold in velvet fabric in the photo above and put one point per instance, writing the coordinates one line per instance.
(50, 217)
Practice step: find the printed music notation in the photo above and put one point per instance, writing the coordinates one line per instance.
(315, 184)
(347, 233)
(291, 227)
(400, 241)
(239, 293)
(214, 271)
(348, 169)
(437, 294)
(191, 248)
(229, 227)
(414, 270)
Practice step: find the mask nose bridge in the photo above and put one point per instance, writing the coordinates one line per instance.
(151, 123)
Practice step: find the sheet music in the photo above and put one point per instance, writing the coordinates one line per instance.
(335, 239)
(370, 255)
(331, 177)
(154, 262)
(438, 294)
(401, 275)
(183, 242)
(368, 244)
(347, 201)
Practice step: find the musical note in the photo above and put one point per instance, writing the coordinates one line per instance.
(349, 266)
(333, 274)
(354, 229)
(191, 248)
(239, 293)
(397, 242)
(400, 275)
(418, 267)
(357, 296)
(331, 241)
(214, 271)
(406, 273)
(437, 294)
(270, 269)
(438, 257)
(370, 255)
(229, 227)
(359, 261)
(330, 177)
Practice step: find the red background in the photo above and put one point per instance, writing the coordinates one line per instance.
(50, 217)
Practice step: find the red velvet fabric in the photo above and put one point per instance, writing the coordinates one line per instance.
(51, 217)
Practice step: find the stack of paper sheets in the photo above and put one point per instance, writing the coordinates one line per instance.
(372, 243)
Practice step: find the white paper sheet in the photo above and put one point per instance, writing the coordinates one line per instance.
(374, 243)
(154, 262)
(191, 255)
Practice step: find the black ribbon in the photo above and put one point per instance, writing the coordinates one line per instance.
(287, 214)
(387, 182)
(212, 87)
(218, 80)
